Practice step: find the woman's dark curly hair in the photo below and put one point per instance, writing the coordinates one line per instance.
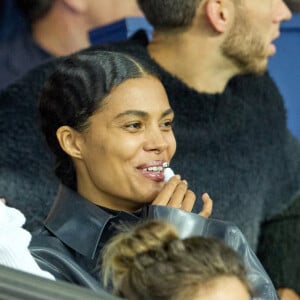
(75, 91)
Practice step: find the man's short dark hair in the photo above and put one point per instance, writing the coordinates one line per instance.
(169, 14)
(34, 9)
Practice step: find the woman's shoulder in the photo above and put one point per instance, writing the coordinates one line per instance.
(59, 260)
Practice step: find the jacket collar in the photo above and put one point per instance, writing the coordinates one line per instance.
(80, 224)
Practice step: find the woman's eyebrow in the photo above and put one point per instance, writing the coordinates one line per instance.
(167, 112)
(138, 113)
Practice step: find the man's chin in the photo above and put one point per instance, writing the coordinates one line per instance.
(257, 68)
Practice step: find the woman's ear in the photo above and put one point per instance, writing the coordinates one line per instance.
(218, 13)
(70, 141)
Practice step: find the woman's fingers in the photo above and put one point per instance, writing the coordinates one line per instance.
(178, 196)
(167, 191)
(207, 206)
(189, 201)
(175, 193)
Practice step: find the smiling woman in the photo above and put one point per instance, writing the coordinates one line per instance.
(108, 121)
(135, 140)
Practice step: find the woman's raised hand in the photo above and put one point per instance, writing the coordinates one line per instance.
(175, 193)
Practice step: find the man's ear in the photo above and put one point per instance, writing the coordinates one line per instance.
(218, 13)
(77, 6)
(70, 141)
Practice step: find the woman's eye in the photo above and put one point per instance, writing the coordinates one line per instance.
(167, 124)
(133, 126)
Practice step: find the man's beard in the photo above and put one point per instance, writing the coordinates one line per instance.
(245, 47)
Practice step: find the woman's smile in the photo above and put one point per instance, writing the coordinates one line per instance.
(153, 170)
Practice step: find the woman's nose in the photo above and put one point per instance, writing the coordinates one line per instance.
(155, 141)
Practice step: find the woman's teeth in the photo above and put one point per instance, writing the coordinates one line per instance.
(154, 169)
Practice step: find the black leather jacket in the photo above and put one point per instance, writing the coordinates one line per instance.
(76, 230)
(73, 235)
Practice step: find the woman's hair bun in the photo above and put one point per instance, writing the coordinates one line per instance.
(138, 248)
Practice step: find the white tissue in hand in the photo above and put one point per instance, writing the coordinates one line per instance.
(168, 172)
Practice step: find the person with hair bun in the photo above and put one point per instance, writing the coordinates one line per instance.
(150, 261)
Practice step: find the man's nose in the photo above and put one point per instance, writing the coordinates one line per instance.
(282, 12)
